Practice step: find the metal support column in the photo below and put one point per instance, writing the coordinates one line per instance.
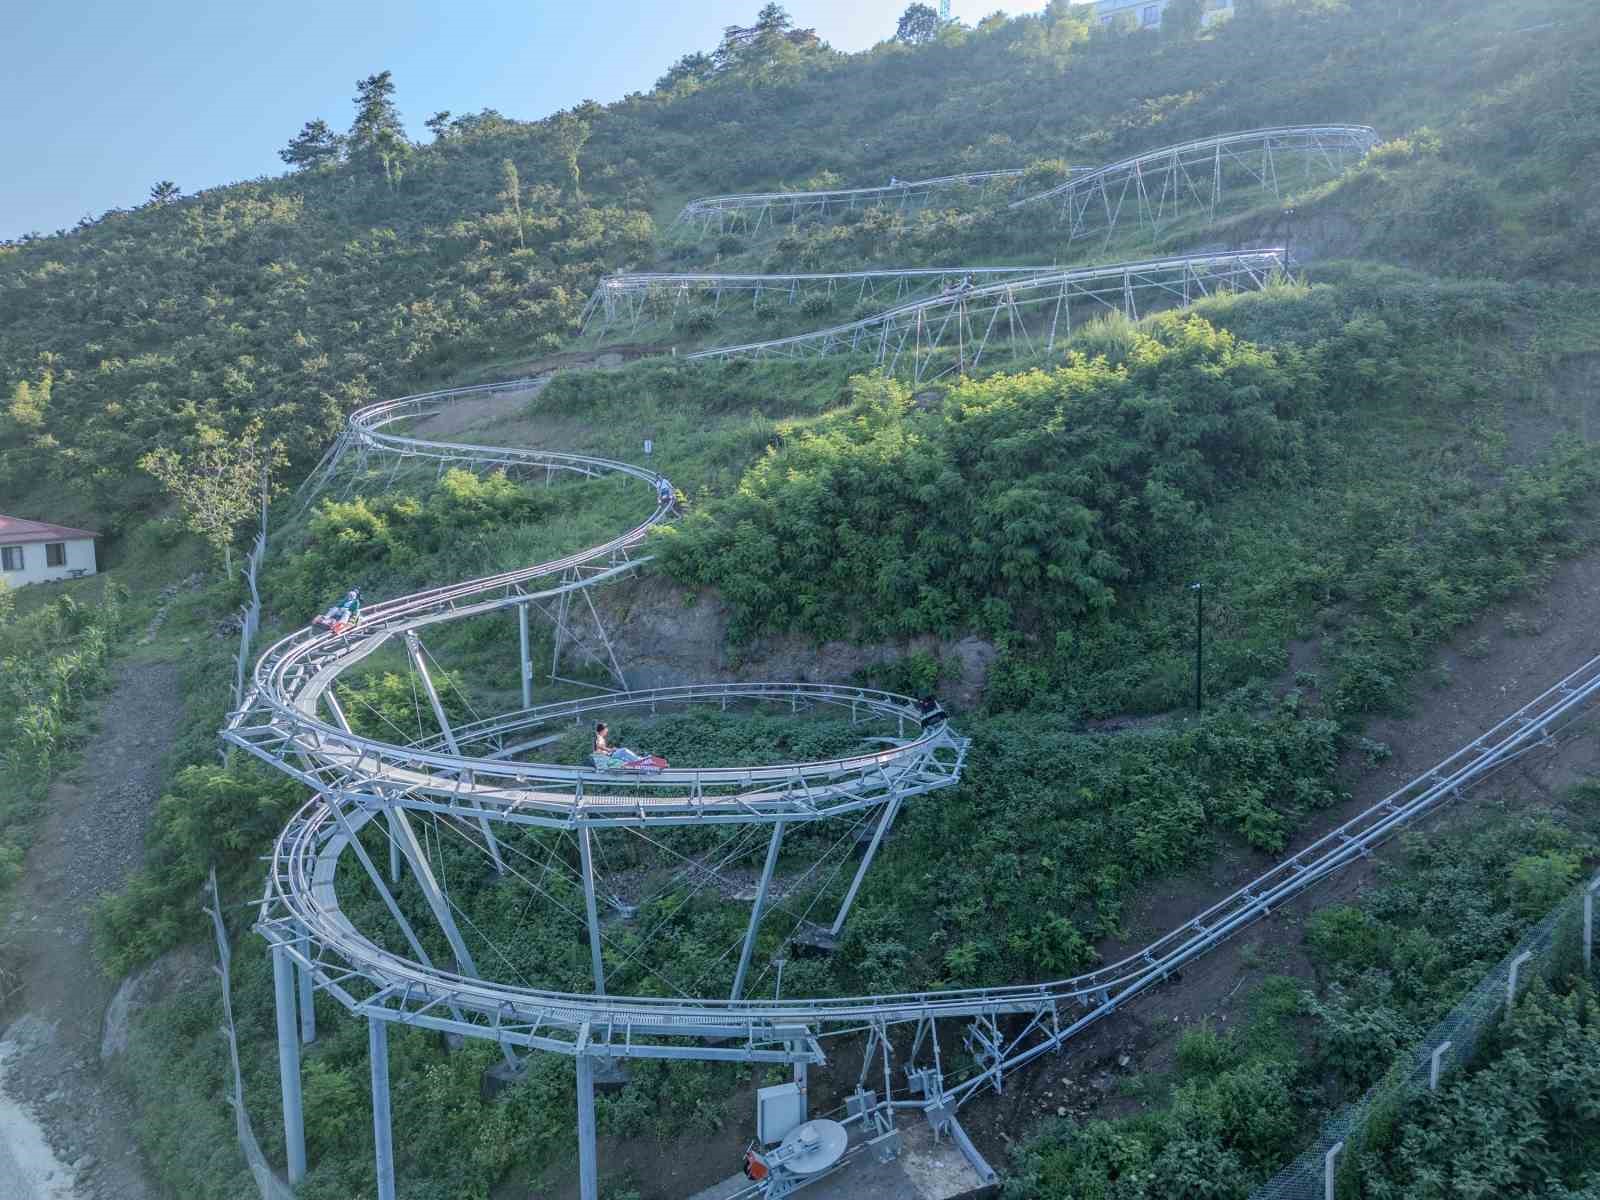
(884, 822)
(414, 648)
(588, 1170)
(405, 836)
(382, 1129)
(527, 665)
(308, 1014)
(343, 721)
(294, 1121)
(593, 914)
(755, 910)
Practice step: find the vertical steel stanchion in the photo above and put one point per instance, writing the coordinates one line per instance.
(527, 663)
(591, 911)
(1199, 642)
(308, 1014)
(1329, 1170)
(382, 1131)
(588, 1170)
(1588, 929)
(294, 1123)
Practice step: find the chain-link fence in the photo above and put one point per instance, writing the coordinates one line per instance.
(249, 614)
(267, 1183)
(1560, 943)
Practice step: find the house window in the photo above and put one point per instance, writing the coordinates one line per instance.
(55, 554)
(1150, 14)
(10, 558)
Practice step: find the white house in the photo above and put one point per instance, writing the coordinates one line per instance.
(34, 552)
(1146, 14)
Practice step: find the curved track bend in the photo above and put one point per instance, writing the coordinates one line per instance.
(359, 780)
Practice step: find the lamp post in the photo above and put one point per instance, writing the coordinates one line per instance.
(1199, 641)
(1288, 236)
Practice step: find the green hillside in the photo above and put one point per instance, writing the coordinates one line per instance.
(1357, 462)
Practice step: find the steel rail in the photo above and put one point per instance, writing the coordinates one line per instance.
(711, 205)
(622, 286)
(1254, 266)
(1289, 137)
(301, 897)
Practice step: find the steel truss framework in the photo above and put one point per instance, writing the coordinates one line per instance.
(1160, 183)
(1160, 186)
(749, 213)
(633, 296)
(950, 333)
(474, 776)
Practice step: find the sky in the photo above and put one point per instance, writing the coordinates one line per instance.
(105, 97)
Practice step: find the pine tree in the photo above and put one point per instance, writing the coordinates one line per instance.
(377, 138)
(165, 192)
(315, 144)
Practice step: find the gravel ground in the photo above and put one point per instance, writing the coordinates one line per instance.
(51, 1080)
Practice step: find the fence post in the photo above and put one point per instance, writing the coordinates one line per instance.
(1588, 923)
(1511, 977)
(1433, 1065)
(1329, 1171)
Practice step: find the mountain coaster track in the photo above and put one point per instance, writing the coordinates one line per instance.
(291, 718)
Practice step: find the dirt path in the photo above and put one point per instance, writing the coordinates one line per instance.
(92, 839)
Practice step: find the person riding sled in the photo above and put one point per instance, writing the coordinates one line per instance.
(613, 758)
(344, 615)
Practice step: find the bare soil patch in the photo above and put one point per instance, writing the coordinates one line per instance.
(91, 840)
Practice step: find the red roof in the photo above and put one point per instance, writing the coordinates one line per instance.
(14, 531)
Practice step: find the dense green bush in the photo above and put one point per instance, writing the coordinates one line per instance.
(1025, 500)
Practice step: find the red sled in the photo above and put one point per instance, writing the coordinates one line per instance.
(335, 621)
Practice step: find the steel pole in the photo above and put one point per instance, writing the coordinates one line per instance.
(593, 916)
(755, 910)
(527, 664)
(866, 861)
(294, 1122)
(1199, 643)
(308, 1013)
(588, 1168)
(414, 647)
(382, 1129)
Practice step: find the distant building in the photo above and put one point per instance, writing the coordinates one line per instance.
(34, 552)
(1146, 14)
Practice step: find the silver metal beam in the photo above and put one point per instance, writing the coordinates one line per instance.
(414, 648)
(884, 822)
(308, 1013)
(588, 1159)
(592, 911)
(401, 830)
(526, 662)
(294, 1120)
(755, 910)
(382, 1125)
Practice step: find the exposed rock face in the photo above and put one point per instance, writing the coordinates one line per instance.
(667, 636)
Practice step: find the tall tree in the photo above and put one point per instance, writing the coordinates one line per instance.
(439, 123)
(511, 196)
(165, 192)
(218, 484)
(377, 137)
(571, 134)
(316, 143)
(918, 24)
